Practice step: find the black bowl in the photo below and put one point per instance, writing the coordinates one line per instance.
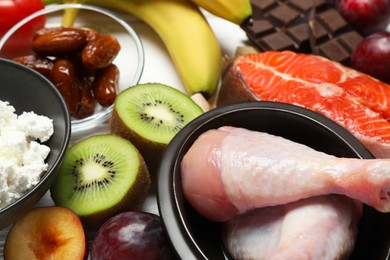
(194, 237)
(27, 90)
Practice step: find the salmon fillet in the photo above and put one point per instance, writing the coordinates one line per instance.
(356, 101)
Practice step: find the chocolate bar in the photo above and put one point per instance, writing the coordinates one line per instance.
(332, 37)
(305, 26)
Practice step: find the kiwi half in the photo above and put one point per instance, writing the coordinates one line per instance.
(150, 115)
(100, 177)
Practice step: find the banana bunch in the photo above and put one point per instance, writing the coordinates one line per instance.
(185, 32)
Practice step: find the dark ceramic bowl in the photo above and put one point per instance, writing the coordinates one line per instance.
(194, 237)
(26, 90)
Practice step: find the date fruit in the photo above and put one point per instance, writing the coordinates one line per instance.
(372, 56)
(101, 52)
(90, 33)
(105, 85)
(132, 235)
(87, 101)
(41, 64)
(58, 41)
(64, 77)
(78, 61)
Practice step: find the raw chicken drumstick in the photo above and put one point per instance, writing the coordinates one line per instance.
(230, 170)
(321, 227)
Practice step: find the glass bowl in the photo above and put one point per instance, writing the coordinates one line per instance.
(130, 59)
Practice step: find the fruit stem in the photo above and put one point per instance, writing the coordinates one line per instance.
(201, 101)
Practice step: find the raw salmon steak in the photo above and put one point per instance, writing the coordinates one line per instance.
(230, 170)
(356, 101)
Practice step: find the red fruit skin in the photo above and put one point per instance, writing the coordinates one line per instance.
(372, 56)
(132, 235)
(13, 11)
(366, 16)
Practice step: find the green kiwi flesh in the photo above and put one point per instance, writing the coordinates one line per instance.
(101, 176)
(150, 115)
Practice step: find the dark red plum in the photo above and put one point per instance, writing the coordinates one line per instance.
(372, 56)
(132, 235)
(366, 16)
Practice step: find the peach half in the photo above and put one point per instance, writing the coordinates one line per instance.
(47, 233)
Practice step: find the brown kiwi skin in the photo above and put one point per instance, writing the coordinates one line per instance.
(131, 201)
(151, 151)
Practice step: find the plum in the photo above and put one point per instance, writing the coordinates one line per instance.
(366, 16)
(372, 56)
(132, 235)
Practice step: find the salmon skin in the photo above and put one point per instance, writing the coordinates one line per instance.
(356, 101)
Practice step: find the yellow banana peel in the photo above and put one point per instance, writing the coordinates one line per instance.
(235, 11)
(70, 14)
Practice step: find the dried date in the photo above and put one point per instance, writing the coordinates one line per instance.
(101, 52)
(78, 61)
(105, 85)
(42, 65)
(64, 77)
(90, 34)
(59, 41)
(87, 101)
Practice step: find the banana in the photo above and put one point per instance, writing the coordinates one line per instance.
(186, 34)
(235, 11)
(69, 14)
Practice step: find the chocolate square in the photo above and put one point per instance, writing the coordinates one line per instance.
(350, 39)
(332, 21)
(283, 15)
(306, 5)
(334, 51)
(260, 28)
(277, 41)
(300, 35)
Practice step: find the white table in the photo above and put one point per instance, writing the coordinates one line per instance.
(159, 68)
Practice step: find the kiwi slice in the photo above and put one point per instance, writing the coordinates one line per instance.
(101, 176)
(150, 115)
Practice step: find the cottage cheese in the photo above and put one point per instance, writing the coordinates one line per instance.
(22, 156)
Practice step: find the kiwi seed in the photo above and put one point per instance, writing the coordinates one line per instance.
(101, 176)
